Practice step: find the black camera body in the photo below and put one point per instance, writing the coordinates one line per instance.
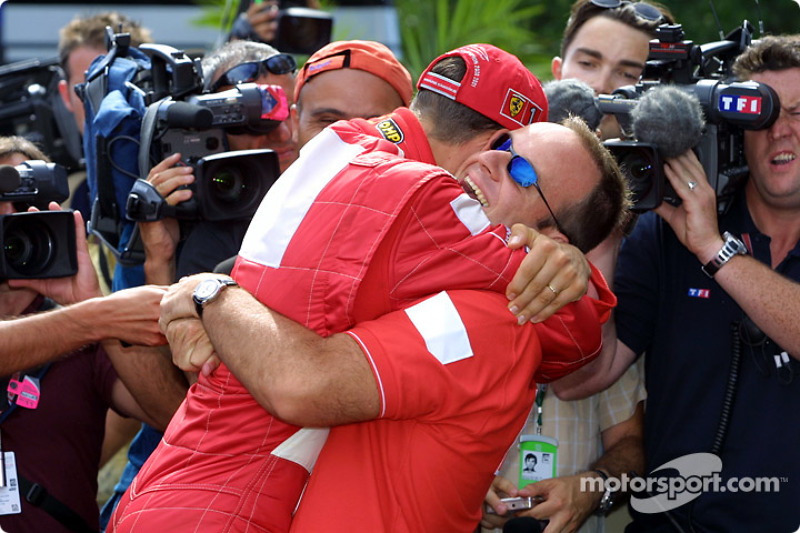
(33, 182)
(729, 108)
(302, 30)
(31, 107)
(227, 186)
(38, 245)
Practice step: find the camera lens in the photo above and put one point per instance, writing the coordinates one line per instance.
(639, 170)
(28, 247)
(228, 186)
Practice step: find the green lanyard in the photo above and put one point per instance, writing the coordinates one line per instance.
(540, 392)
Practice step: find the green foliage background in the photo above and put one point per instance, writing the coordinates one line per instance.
(532, 28)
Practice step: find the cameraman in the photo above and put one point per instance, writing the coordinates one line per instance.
(174, 249)
(694, 325)
(67, 352)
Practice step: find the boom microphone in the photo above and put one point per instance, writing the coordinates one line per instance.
(670, 118)
(572, 97)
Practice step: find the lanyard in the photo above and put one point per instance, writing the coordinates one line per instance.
(540, 392)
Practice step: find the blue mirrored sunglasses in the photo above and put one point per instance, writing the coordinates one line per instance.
(251, 70)
(643, 9)
(521, 170)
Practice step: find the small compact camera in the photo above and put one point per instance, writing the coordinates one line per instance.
(515, 504)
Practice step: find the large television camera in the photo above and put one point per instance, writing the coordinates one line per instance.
(728, 107)
(38, 245)
(228, 185)
(167, 110)
(31, 107)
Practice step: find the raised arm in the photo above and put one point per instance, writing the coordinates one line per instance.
(290, 370)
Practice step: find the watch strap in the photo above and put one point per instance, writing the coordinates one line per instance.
(607, 501)
(731, 247)
(200, 304)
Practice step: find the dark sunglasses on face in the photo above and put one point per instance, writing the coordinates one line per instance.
(643, 10)
(250, 71)
(522, 171)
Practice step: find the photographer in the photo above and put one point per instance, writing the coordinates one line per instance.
(258, 20)
(59, 359)
(722, 341)
(80, 42)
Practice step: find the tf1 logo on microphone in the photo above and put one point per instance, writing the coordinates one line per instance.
(740, 104)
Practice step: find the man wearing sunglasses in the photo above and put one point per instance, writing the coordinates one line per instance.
(381, 232)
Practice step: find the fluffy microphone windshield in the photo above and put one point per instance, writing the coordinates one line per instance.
(572, 97)
(670, 118)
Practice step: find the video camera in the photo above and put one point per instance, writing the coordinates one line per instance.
(38, 245)
(31, 107)
(33, 182)
(228, 185)
(729, 108)
(170, 112)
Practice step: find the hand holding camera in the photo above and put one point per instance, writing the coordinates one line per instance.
(46, 251)
(263, 17)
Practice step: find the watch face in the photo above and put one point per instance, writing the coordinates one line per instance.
(206, 288)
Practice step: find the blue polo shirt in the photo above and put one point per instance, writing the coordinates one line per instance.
(685, 323)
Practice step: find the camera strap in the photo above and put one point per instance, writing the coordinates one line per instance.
(37, 495)
(32, 492)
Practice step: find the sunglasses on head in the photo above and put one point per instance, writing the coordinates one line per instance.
(643, 10)
(521, 170)
(251, 70)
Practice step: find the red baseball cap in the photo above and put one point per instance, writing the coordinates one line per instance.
(496, 85)
(369, 56)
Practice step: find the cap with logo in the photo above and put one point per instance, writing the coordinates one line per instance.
(496, 85)
(369, 56)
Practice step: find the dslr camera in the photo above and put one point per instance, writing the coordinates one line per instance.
(729, 108)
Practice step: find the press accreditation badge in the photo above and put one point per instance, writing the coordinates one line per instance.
(9, 493)
(537, 458)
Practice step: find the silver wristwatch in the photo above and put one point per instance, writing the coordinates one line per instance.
(732, 246)
(609, 496)
(207, 291)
